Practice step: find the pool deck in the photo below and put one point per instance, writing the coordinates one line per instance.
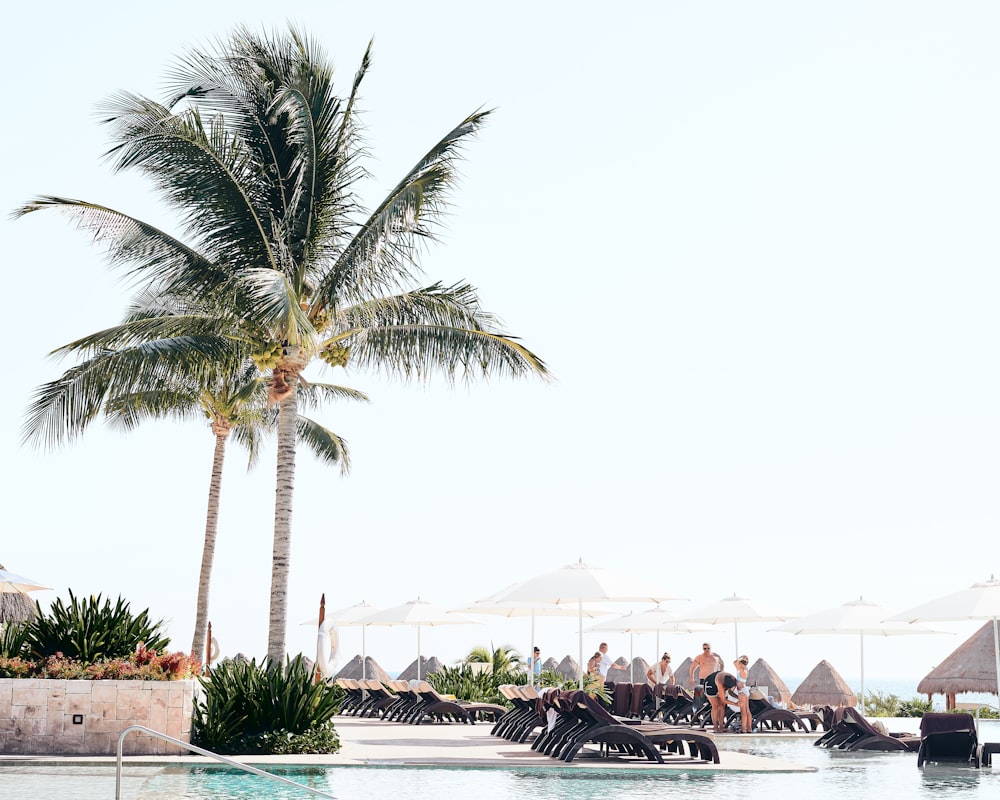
(374, 742)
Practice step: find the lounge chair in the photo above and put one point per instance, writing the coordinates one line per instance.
(948, 739)
(853, 732)
(354, 695)
(583, 720)
(518, 723)
(768, 718)
(443, 709)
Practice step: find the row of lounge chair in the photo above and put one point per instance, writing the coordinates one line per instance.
(562, 722)
(677, 706)
(944, 738)
(414, 702)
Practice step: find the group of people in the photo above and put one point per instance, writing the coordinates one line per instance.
(721, 688)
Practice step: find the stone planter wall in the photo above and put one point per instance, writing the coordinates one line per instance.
(37, 716)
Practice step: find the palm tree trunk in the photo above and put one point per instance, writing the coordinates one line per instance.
(281, 554)
(221, 431)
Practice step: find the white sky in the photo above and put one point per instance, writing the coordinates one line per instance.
(756, 242)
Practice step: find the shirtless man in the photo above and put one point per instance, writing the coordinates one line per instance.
(706, 662)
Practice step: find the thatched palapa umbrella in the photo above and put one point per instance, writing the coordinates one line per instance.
(824, 687)
(762, 674)
(421, 668)
(682, 674)
(363, 668)
(970, 668)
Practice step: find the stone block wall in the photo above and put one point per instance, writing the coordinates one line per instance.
(37, 716)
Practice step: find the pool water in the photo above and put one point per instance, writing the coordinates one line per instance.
(887, 776)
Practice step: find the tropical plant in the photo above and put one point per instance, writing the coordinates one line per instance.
(263, 160)
(91, 630)
(248, 707)
(13, 639)
(877, 704)
(915, 707)
(467, 683)
(502, 659)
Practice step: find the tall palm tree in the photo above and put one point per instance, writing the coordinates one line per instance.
(263, 161)
(233, 404)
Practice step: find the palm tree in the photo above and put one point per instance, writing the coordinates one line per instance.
(505, 658)
(233, 404)
(263, 161)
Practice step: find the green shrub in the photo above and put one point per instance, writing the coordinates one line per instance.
(916, 707)
(985, 712)
(248, 707)
(13, 640)
(470, 684)
(89, 631)
(877, 704)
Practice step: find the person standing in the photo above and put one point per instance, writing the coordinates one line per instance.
(743, 693)
(706, 662)
(606, 662)
(535, 664)
(661, 673)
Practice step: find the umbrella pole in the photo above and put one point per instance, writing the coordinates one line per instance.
(364, 654)
(531, 650)
(861, 700)
(996, 655)
(418, 652)
(580, 635)
(631, 659)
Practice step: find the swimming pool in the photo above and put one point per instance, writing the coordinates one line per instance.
(888, 776)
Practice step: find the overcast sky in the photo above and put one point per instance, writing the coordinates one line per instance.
(755, 241)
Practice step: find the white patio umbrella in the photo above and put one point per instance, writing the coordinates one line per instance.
(654, 619)
(857, 617)
(347, 616)
(11, 582)
(513, 608)
(580, 583)
(418, 613)
(736, 609)
(980, 601)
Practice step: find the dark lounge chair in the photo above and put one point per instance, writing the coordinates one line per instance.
(442, 709)
(583, 720)
(851, 731)
(948, 739)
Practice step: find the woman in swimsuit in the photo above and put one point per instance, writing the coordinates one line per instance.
(743, 693)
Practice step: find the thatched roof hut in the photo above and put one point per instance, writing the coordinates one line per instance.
(16, 607)
(972, 667)
(622, 671)
(568, 668)
(682, 674)
(550, 665)
(374, 672)
(824, 687)
(762, 674)
(427, 666)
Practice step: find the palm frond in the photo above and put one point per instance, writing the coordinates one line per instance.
(311, 395)
(204, 172)
(327, 446)
(152, 253)
(418, 351)
(381, 256)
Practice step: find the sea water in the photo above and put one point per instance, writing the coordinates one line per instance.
(887, 776)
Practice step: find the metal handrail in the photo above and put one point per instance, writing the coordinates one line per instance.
(200, 751)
